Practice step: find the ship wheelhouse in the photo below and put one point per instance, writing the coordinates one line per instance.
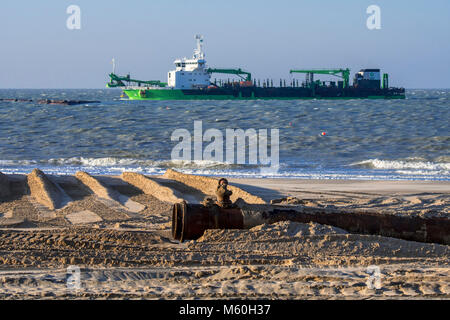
(190, 73)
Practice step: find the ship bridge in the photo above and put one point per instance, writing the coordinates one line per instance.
(190, 73)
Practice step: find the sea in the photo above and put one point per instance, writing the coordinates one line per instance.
(318, 139)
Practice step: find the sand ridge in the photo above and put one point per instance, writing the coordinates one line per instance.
(44, 190)
(208, 186)
(152, 187)
(96, 186)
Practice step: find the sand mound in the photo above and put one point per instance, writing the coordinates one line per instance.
(151, 187)
(278, 230)
(324, 244)
(45, 191)
(288, 200)
(208, 186)
(95, 186)
(296, 229)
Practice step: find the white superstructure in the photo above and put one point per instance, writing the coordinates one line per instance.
(190, 73)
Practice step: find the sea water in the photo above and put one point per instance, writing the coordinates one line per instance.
(318, 139)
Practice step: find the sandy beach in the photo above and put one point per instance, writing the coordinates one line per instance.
(117, 231)
(242, 158)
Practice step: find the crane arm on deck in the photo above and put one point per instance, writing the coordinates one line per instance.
(117, 81)
(239, 72)
(341, 73)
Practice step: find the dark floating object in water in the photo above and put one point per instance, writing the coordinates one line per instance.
(16, 100)
(65, 102)
(49, 101)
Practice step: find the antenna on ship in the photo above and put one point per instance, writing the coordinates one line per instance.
(114, 65)
(198, 53)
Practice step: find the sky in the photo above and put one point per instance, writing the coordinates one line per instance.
(267, 38)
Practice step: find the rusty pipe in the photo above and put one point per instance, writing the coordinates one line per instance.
(189, 221)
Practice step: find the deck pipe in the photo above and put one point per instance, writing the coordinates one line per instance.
(189, 221)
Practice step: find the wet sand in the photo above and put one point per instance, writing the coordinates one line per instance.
(117, 230)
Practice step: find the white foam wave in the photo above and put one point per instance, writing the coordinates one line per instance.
(410, 169)
(424, 172)
(403, 165)
(17, 162)
(92, 162)
(110, 162)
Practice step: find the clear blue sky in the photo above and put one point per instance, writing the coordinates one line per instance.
(265, 37)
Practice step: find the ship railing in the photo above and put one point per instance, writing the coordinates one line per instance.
(147, 87)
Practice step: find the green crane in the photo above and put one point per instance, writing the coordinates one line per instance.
(117, 81)
(237, 72)
(341, 73)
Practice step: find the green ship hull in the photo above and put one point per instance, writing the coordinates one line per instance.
(177, 94)
(155, 94)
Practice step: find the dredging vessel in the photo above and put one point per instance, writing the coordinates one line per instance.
(191, 80)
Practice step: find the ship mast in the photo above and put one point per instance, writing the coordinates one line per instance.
(198, 53)
(113, 65)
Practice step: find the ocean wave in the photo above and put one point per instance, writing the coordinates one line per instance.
(17, 162)
(411, 164)
(111, 162)
(372, 169)
(255, 173)
(424, 172)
